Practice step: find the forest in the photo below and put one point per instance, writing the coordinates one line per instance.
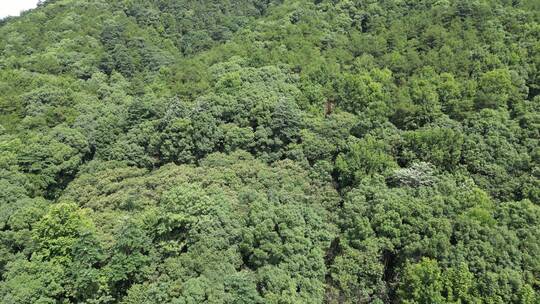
(270, 151)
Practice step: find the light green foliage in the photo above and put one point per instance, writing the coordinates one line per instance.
(495, 89)
(58, 231)
(365, 157)
(422, 283)
(62, 265)
(426, 282)
(361, 93)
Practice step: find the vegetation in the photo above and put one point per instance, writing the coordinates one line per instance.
(276, 151)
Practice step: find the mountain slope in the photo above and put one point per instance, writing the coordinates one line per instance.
(247, 151)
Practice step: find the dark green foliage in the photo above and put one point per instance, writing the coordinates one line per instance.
(243, 151)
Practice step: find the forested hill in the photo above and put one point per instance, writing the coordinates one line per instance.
(270, 151)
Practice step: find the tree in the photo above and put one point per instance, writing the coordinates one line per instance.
(364, 157)
(58, 232)
(495, 89)
(64, 262)
(419, 174)
(131, 259)
(422, 283)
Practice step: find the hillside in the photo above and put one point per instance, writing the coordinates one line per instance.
(270, 151)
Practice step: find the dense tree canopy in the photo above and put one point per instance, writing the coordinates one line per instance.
(269, 151)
